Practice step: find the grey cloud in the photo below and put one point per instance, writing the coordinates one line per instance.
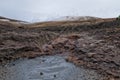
(34, 9)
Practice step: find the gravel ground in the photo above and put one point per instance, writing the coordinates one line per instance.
(46, 68)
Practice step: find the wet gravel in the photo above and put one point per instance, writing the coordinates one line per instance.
(45, 68)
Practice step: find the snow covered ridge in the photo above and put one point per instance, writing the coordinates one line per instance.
(76, 18)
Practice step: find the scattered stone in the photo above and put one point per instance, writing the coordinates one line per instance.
(13, 64)
(43, 60)
(47, 48)
(90, 54)
(41, 73)
(54, 75)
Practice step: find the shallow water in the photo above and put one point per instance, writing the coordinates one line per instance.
(45, 68)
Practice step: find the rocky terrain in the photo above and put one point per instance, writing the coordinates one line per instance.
(92, 44)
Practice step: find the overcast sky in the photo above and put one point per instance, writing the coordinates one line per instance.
(33, 10)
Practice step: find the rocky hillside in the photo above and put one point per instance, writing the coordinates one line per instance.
(93, 44)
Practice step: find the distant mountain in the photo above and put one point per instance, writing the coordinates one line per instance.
(75, 18)
(46, 18)
(4, 19)
(11, 22)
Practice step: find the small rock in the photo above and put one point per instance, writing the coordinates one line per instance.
(47, 48)
(41, 73)
(54, 75)
(13, 64)
(90, 54)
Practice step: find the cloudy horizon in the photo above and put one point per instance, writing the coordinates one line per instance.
(42, 10)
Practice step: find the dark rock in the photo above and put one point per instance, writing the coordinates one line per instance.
(41, 73)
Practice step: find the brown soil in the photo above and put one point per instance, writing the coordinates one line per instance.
(94, 45)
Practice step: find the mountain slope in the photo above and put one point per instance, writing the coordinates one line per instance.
(93, 44)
